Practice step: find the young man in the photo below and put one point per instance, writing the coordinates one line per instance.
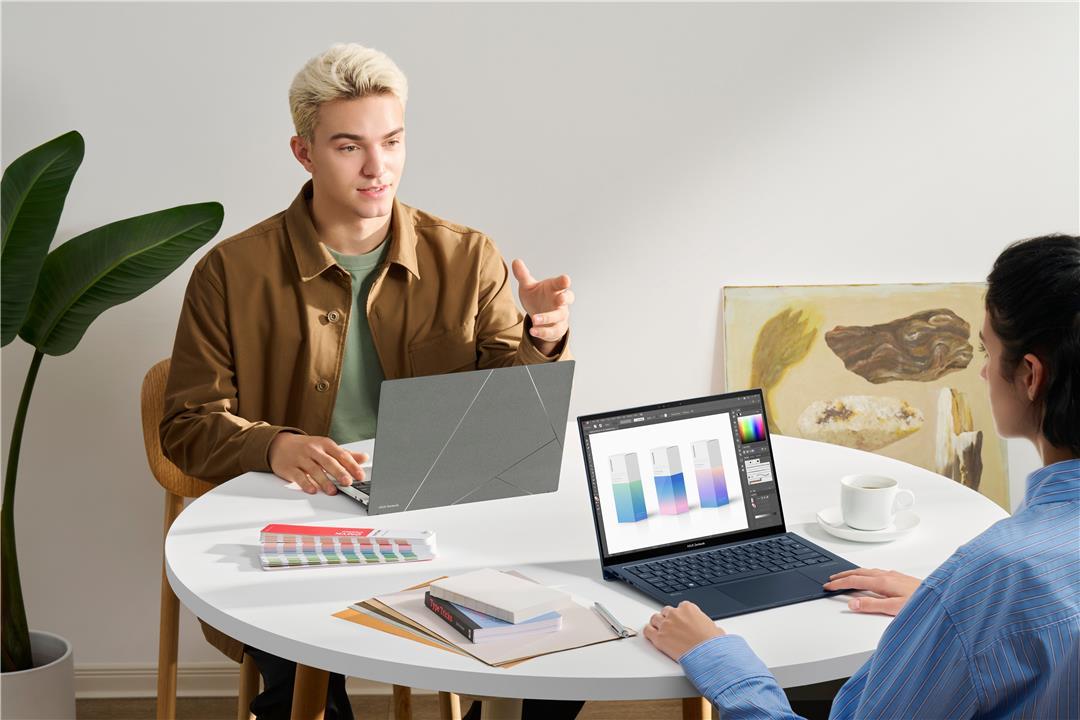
(288, 328)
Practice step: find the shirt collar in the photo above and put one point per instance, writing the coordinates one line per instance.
(312, 257)
(1054, 483)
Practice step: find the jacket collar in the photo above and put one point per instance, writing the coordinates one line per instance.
(312, 257)
(1054, 483)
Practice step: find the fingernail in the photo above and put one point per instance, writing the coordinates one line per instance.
(854, 603)
(538, 319)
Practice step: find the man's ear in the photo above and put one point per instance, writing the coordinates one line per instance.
(301, 150)
(1032, 375)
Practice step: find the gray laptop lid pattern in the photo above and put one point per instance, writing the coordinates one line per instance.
(472, 436)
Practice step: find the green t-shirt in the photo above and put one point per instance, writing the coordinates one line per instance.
(356, 409)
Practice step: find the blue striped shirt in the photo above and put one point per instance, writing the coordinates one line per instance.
(992, 633)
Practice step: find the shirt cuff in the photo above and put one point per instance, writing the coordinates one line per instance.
(531, 355)
(720, 662)
(255, 455)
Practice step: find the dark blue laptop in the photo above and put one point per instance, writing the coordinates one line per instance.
(687, 507)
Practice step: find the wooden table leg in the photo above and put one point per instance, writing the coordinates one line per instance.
(249, 688)
(449, 706)
(309, 693)
(500, 709)
(402, 702)
(696, 708)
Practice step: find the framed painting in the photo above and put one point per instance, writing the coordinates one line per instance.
(892, 369)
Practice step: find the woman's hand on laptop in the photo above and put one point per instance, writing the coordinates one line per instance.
(314, 463)
(893, 587)
(677, 631)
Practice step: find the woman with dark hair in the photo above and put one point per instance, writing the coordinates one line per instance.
(995, 631)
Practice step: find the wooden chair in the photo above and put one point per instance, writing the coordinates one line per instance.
(177, 487)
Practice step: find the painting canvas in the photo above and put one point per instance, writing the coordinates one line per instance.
(892, 369)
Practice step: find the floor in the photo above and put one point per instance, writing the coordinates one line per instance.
(365, 707)
(812, 702)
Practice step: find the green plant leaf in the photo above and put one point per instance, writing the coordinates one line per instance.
(35, 187)
(108, 266)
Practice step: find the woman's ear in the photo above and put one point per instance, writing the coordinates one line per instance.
(1033, 375)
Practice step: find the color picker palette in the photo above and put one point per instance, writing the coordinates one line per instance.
(751, 428)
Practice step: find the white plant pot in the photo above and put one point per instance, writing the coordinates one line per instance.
(45, 691)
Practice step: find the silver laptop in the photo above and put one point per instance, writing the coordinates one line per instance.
(467, 437)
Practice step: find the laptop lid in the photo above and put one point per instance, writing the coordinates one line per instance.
(470, 436)
(680, 475)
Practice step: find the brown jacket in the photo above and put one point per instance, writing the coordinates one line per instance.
(261, 336)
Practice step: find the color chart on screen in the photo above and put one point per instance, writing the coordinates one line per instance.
(751, 428)
(668, 482)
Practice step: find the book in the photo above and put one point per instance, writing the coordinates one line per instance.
(478, 627)
(501, 595)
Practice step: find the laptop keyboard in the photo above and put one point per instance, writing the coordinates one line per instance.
(711, 567)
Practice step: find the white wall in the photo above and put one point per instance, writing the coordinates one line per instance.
(653, 153)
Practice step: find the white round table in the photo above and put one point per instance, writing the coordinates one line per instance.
(212, 563)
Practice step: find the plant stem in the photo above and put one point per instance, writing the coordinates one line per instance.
(16, 633)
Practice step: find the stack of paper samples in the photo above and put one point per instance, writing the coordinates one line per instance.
(292, 546)
(408, 615)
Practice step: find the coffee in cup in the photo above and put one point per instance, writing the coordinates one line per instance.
(869, 502)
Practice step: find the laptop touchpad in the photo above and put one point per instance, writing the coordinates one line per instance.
(713, 603)
(770, 588)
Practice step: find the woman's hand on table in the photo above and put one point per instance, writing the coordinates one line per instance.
(676, 631)
(893, 587)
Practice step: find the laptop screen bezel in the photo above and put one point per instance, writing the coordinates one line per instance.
(630, 556)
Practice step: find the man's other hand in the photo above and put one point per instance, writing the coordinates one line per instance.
(548, 304)
(311, 462)
(676, 631)
(893, 587)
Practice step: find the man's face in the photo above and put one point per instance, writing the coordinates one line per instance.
(357, 154)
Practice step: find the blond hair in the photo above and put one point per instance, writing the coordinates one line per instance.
(343, 72)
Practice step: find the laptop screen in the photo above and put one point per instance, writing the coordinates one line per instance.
(681, 475)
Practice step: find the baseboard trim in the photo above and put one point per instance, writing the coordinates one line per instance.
(134, 680)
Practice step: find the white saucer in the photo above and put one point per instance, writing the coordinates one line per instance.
(832, 522)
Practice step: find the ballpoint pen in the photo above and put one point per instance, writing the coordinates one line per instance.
(620, 629)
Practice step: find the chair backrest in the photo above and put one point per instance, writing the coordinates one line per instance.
(165, 472)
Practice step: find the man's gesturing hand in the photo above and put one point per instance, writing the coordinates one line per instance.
(676, 631)
(311, 461)
(895, 588)
(548, 304)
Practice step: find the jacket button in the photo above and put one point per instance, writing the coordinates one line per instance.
(322, 386)
(333, 316)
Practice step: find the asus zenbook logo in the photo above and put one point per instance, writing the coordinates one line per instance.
(694, 545)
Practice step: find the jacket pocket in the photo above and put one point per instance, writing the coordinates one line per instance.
(450, 351)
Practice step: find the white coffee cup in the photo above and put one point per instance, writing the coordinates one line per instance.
(869, 502)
